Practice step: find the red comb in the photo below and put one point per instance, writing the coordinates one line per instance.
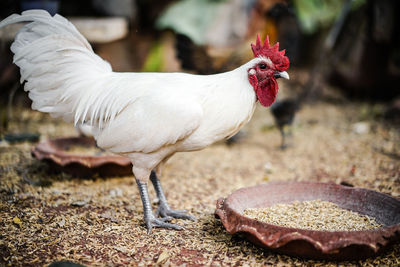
(277, 57)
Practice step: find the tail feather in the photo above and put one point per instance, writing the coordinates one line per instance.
(44, 24)
(63, 75)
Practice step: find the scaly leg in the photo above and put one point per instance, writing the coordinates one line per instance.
(283, 135)
(163, 208)
(149, 218)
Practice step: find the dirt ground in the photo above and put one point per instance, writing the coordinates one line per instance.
(49, 217)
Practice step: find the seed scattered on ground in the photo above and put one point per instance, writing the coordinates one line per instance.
(193, 181)
(313, 215)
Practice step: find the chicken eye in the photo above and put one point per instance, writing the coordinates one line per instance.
(263, 66)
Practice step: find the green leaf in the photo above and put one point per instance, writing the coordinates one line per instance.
(154, 60)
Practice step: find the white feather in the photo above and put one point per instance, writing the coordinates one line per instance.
(62, 73)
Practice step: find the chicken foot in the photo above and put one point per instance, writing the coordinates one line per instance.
(163, 208)
(149, 218)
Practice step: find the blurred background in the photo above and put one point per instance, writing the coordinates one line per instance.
(336, 120)
(338, 49)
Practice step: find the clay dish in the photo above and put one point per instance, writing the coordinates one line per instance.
(344, 245)
(55, 152)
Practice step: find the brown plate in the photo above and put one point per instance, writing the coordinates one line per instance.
(344, 245)
(55, 152)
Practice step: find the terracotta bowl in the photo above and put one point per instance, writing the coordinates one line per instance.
(55, 152)
(344, 245)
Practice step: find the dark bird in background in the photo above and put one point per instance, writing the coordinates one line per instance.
(284, 112)
(283, 18)
(197, 59)
(193, 57)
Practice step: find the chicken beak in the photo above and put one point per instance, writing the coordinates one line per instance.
(282, 74)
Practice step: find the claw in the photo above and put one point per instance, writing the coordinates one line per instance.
(163, 208)
(164, 211)
(160, 223)
(166, 218)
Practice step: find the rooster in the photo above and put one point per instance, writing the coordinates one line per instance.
(146, 117)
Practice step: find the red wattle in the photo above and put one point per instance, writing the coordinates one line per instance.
(266, 90)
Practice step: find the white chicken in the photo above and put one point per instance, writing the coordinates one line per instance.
(146, 117)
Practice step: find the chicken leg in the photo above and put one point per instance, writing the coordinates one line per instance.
(149, 217)
(283, 137)
(163, 208)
